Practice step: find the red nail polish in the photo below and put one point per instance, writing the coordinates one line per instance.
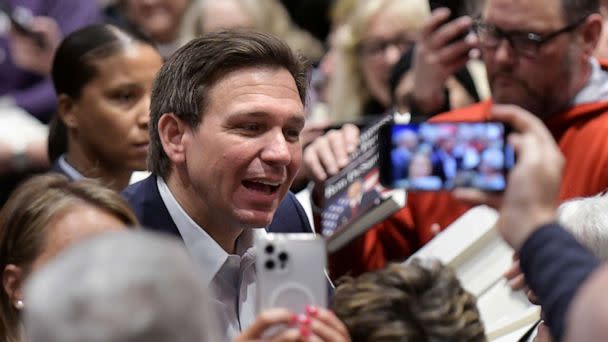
(312, 310)
(293, 319)
(304, 331)
(304, 320)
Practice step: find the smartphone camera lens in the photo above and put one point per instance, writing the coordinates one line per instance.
(283, 256)
(269, 265)
(269, 249)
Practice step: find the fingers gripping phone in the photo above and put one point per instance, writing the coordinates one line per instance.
(443, 156)
(291, 271)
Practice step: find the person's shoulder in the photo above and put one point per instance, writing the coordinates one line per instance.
(137, 191)
(476, 112)
(591, 116)
(290, 217)
(289, 205)
(145, 200)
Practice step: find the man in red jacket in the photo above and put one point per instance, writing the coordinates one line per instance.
(538, 56)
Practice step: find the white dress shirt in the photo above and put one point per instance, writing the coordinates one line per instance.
(74, 174)
(69, 169)
(231, 278)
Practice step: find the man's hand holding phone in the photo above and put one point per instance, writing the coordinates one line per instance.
(530, 199)
(438, 54)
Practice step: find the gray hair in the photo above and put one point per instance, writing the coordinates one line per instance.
(127, 286)
(587, 219)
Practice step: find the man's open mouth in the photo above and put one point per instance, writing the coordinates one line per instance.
(265, 187)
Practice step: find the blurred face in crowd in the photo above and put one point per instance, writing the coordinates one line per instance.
(225, 14)
(408, 140)
(542, 81)
(354, 193)
(69, 226)
(160, 19)
(420, 166)
(246, 151)
(110, 119)
(383, 42)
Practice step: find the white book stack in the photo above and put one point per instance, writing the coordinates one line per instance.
(474, 249)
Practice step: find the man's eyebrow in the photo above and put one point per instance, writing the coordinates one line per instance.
(297, 118)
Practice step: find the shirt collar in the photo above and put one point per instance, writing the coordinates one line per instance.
(69, 169)
(596, 88)
(207, 253)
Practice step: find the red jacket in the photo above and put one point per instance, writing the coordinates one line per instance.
(582, 135)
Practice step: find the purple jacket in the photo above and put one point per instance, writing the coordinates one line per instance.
(33, 93)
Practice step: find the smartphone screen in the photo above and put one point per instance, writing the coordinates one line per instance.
(443, 156)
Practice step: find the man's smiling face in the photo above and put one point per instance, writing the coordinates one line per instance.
(246, 151)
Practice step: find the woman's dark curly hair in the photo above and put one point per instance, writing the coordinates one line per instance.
(411, 302)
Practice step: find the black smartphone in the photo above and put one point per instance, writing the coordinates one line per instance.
(442, 156)
(361, 123)
(457, 9)
(21, 25)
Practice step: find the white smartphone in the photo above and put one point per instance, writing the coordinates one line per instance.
(291, 271)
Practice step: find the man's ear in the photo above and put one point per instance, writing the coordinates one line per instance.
(66, 110)
(12, 282)
(171, 130)
(591, 31)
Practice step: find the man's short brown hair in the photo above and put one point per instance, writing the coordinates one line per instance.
(183, 83)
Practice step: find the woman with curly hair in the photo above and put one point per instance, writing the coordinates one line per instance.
(419, 301)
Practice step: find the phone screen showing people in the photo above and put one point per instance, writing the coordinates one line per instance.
(443, 156)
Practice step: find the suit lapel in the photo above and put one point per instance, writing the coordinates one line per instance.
(155, 213)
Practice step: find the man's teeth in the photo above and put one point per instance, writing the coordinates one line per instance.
(268, 183)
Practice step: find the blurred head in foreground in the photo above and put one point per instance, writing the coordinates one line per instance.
(125, 286)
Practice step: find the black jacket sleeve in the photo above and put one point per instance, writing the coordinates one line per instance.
(555, 266)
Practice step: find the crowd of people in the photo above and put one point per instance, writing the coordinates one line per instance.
(445, 156)
(146, 143)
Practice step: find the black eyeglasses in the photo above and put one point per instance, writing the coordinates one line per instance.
(525, 43)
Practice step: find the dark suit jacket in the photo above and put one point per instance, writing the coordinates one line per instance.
(555, 266)
(150, 209)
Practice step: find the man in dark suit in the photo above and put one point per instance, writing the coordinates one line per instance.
(152, 213)
(226, 114)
